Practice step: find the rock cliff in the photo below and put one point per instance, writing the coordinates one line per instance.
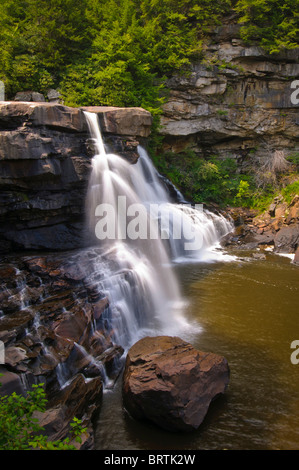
(45, 162)
(235, 103)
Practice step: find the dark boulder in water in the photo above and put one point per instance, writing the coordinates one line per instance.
(169, 382)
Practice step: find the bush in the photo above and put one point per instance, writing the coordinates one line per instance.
(19, 430)
(206, 180)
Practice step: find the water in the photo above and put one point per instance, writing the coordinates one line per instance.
(248, 311)
(142, 232)
(244, 309)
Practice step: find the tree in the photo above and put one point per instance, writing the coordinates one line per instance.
(273, 23)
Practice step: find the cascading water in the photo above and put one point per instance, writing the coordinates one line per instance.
(141, 232)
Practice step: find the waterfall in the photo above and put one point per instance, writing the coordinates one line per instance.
(141, 233)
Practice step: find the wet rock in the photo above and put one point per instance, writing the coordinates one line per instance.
(62, 337)
(172, 384)
(287, 239)
(45, 164)
(123, 121)
(296, 258)
(81, 399)
(11, 382)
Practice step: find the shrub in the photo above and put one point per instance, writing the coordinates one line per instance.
(19, 430)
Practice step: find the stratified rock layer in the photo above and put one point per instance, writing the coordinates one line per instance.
(45, 163)
(56, 327)
(172, 384)
(236, 103)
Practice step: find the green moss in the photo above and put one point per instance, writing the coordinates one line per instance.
(290, 191)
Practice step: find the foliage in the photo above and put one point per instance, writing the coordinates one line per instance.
(20, 430)
(38, 39)
(206, 180)
(273, 23)
(119, 52)
(105, 52)
(293, 159)
(289, 191)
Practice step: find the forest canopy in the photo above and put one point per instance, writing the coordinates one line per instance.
(118, 52)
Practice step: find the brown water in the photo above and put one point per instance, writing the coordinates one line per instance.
(249, 311)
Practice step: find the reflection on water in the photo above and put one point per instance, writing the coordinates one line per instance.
(248, 311)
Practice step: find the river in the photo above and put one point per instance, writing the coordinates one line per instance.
(246, 310)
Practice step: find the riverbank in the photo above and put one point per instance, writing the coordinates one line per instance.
(277, 227)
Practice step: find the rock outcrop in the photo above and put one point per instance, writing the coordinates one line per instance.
(278, 226)
(236, 103)
(172, 384)
(55, 323)
(45, 163)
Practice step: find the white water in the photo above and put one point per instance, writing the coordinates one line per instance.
(139, 279)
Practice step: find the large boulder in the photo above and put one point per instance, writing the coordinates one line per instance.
(287, 239)
(171, 383)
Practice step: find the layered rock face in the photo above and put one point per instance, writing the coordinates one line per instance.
(55, 321)
(55, 324)
(241, 107)
(172, 384)
(45, 163)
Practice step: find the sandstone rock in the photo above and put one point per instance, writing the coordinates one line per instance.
(23, 96)
(55, 332)
(172, 384)
(11, 382)
(38, 97)
(123, 121)
(250, 114)
(272, 208)
(293, 214)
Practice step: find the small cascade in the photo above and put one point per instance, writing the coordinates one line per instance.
(193, 234)
(132, 217)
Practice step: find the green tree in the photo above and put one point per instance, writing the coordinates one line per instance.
(273, 23)
(38, 39)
